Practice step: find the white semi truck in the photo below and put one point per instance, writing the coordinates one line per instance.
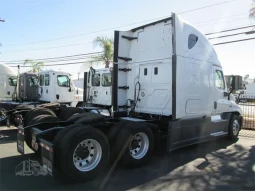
(53, 87)
(167, 88)
(8, 81)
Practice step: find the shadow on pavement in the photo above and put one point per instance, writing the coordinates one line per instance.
(163, 170)
(8, 136)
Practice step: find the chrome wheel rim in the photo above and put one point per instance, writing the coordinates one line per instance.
(236, 127)
(3, 115)
(139, 145)
(87, 155)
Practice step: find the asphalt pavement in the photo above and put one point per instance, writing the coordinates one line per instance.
(215, 165)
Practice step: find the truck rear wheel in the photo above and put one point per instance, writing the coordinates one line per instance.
(135, 143)
(36, 112)
(68, 112)
(58, 142)
(234, 127)
(3, 116)
(84, 153)
(37, 119)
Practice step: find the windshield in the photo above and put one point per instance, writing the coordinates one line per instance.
(12, 81)
(33, 81)
(106, 79)
(96, 80)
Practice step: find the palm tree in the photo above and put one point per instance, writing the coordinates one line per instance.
(107, 55)
(36, 66)
(252, 10)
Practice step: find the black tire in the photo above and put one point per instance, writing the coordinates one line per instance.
(68, 112)
(68, 145)
(80, 104)
(123, 140)
(37, 119)
(58, 142)
(3, 116)
(21, 107)
(4, 107)
(36, 112)
(234, 122)
(114, 130)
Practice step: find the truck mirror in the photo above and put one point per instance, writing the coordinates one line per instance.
(232, 84)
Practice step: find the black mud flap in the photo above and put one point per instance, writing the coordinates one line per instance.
(47, 155)
(20, 140)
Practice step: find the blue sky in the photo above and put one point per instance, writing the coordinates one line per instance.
(33, 21)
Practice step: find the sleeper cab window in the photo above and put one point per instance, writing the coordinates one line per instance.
(192, 41)
(156, 71)
(219, 80)
(145, 71)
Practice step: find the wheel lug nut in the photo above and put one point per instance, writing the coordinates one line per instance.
(92, 147)
(135, 151)
(80, 164)
(87, 161)
(139, 140)
(91, 155)
(89, 142)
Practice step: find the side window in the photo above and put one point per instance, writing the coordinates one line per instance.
(106, 80)
(33, 81)
(192, 41)
(41, 80)
(47, 80)
(145, 71)
(156, 71)
(95, 80)
(219, 80)
(63, 81)
(12, 81)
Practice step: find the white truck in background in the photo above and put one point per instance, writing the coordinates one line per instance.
(98, 85)
(167, 89)
(8, 81)
(57, 87)
(53, 87)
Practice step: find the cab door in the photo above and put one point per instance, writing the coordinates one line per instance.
(42, 91)
(106, 83)
(44, 87)
(64, 91)
(221, 103)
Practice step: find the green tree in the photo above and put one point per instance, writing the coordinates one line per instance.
(107, 56)
(36, 66)
(252, 9)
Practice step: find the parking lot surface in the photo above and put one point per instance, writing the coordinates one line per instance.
(216, 165)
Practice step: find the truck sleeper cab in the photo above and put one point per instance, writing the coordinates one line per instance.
(174, 91)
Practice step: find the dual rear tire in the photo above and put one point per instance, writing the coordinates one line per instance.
(83, 152)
